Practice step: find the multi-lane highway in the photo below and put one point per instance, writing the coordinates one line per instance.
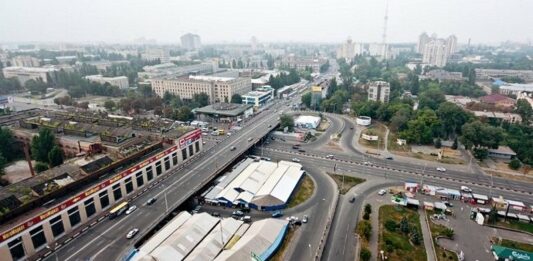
(107, 240)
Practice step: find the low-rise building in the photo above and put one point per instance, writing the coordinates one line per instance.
(25, 61)
(487, 74)
(224, 112)
(257, 98)
(379, 91)
(118, 81)
(170, 70)
(502, 152)
(23, 74)
(515, 88)
(442, 75)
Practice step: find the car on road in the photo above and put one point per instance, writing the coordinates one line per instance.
(351, 128)
(131, 209)
(250, 139)
(352, 199)
(246, 219)
(215, 214)
(296, 147)
(237, 213)
(389, 158)
(196, 209)
(270, 125)
(295, 160)
(151, 201)
(382, 192)
(232, 148)
(367, 163)
(301, 150)
(132, 233)
(266, 158)
(305, 219)
(277, 214)
(448, 204)
(329, 156)
(441, 169)
(466, 189)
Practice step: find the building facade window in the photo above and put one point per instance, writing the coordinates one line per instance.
(74, 216)
(197, 146)
(117, 192)
(184, 153)
(104, 199)
(149, 173)
(16, 249)
(90, 209)
(158, 169)
(139, 178)
(37, 237)
(57, 226)
(175, 158)
(129, 185)
(191, 152)
(167, 163)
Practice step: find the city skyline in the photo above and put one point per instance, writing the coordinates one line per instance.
(237, 21)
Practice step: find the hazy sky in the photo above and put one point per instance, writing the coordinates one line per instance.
(269, 20)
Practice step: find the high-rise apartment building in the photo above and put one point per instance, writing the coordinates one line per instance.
(190, 41)
(435, 51)
(219, 89)
(379, 91)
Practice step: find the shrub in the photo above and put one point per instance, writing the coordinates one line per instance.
(366, 216)
(365, 229)
(438, 143)
(40, 166)
(365, 254)
(368, 209)
(391, 225)
(515, 164)
(449, 233)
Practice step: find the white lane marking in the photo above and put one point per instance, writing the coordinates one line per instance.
(167, 188)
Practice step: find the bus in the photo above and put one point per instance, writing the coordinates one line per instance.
(118, 210)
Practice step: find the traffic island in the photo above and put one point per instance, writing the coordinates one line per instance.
(439, 232)
(303, 192)
(345, 183)
(400, 235)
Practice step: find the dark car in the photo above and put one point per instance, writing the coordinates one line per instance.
(295, 147)
(245, 210)
(151, 201)
(352, 199)
(351, 128)
(389, 158)
(237, 213)
(301, 150)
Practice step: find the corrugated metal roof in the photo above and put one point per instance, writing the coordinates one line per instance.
(164, 233)
(213, 243)
(257, 239)
(286, 185)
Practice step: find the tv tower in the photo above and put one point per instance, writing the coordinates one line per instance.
(384, 37)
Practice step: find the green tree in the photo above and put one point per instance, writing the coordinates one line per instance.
(481, 153)
(306, 99)
(55, 157)
(455, 144)
(368, 209)
(36, 86)
(431, 98)
(236, 98)
(202, 99)
(184, 113)
(438, 143)
(515, 164)
(109, 105)
(365, 254)
(6, 144)
(287, 121)
(493, 215)
(390, 225)
(449, 233)
(42, 144)
(477, 135)
(453, 118)
(404, 226)
(523, 108)
(415, 237)
(76, 91)
(423, 128)
(3, 163)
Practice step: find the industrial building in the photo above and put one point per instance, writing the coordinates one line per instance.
(262, 185)
(85, 187)
(307, 122)
(119, 81)
(204, 237)
(23, 74)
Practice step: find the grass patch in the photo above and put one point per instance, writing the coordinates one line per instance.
(438, 230)
(396, 244)
(286, 241)
(528, 227)
(304, 191)
(349, 182)
(377, 129)
(393, 146)
(514, 244)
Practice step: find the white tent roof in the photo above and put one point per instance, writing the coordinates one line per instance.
(516, 203)
(213, 243)
(479, 196)
(286, 185)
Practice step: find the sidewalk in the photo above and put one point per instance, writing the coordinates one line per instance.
(428, 241)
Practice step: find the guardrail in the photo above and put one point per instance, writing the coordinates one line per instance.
(325, 234)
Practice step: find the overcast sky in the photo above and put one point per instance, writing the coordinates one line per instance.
(217, 21)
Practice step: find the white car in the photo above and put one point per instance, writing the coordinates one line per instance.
(466, 189)
(132, 233)
(131, 209)
(382, 192)
(295, 160)
(441, 169)
(366, 163)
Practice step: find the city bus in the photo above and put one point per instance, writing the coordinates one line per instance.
(118, 210)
